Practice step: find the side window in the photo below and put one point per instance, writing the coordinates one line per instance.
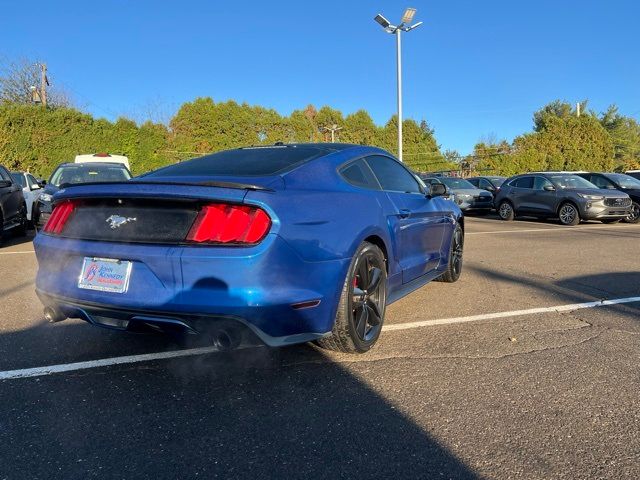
(4, 174)
(358, 174)
(31, 180)
(601, 182)
(485, 184)
(523, 182)
(392, 176)
(475, 182)
(540, 182)
(19, 179)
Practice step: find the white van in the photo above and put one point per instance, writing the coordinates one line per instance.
(103, 157)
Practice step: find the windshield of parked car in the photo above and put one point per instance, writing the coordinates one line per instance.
(625, 181)
(456, 182)
(571, 182)
(255, 161)
(19, 179)
(74, 174)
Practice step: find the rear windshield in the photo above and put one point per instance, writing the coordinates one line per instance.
(253, 162)
(72, 174)
(497, 181)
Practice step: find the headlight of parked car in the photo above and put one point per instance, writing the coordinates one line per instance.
(45, 197)
(591, 197)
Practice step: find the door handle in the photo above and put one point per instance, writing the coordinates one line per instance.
(404, 212)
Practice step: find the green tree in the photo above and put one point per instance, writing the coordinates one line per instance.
(625, 134)
(359, 129)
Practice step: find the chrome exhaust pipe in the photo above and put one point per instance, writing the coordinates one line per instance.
(53, 315)
(225, 339)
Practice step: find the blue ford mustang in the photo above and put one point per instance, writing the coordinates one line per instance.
(294, 243)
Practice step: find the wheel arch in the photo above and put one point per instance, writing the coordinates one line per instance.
(379, 242)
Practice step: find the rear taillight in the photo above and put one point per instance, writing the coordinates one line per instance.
(59, 217)
(221, 223)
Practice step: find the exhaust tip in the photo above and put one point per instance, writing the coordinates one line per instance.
(226, 339)
(52, 315)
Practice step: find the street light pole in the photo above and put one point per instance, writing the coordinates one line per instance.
(399, 74)
(397, 31)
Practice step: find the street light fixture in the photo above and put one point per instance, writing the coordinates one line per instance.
(396, 30)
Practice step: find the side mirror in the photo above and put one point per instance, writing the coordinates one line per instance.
(549, 188)
(437, 190)
(42, 183)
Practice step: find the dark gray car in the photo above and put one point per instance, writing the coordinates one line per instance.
(561, 195)
(469, 198)
(490, 183)
(13, 209)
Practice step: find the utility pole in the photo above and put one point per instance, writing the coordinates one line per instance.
(578, 109)
(333, 129)
(44, 83)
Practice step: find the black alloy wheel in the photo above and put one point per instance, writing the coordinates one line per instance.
(454, 268)
(361, 309)
(368, 297)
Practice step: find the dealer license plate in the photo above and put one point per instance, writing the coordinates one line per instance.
(105, 274)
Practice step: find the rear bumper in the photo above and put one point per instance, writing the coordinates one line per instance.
(172, 323)
(259, 287)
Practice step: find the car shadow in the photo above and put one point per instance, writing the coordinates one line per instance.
(251, 413)
(579, 289)
(12, 239)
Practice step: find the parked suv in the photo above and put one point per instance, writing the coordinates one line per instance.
(13, 209)
(622, 182)
(568, 197)
(73, 174)
(31, 189)
(491, 184)
(469, 198)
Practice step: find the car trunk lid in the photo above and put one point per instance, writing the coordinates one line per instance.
(146, 211)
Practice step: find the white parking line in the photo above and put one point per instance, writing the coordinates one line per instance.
(104, 362)
(514, 313)
(557, 229)
(147, 357)
(17, 252)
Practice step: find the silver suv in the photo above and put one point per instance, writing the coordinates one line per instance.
(561, 195)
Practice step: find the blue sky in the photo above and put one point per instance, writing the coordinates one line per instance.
(474, 69)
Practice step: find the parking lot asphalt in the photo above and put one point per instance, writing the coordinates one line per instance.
(484, 378)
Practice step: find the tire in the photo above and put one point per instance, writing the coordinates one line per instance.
(506, 211)
(634, 216)
(21, 230)
(454, 267)
(568, 214)
(610, 221)
(360, 314)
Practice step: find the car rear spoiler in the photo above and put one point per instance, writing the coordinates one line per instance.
(208, 183)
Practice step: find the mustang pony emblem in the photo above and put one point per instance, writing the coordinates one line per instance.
(116, 221)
